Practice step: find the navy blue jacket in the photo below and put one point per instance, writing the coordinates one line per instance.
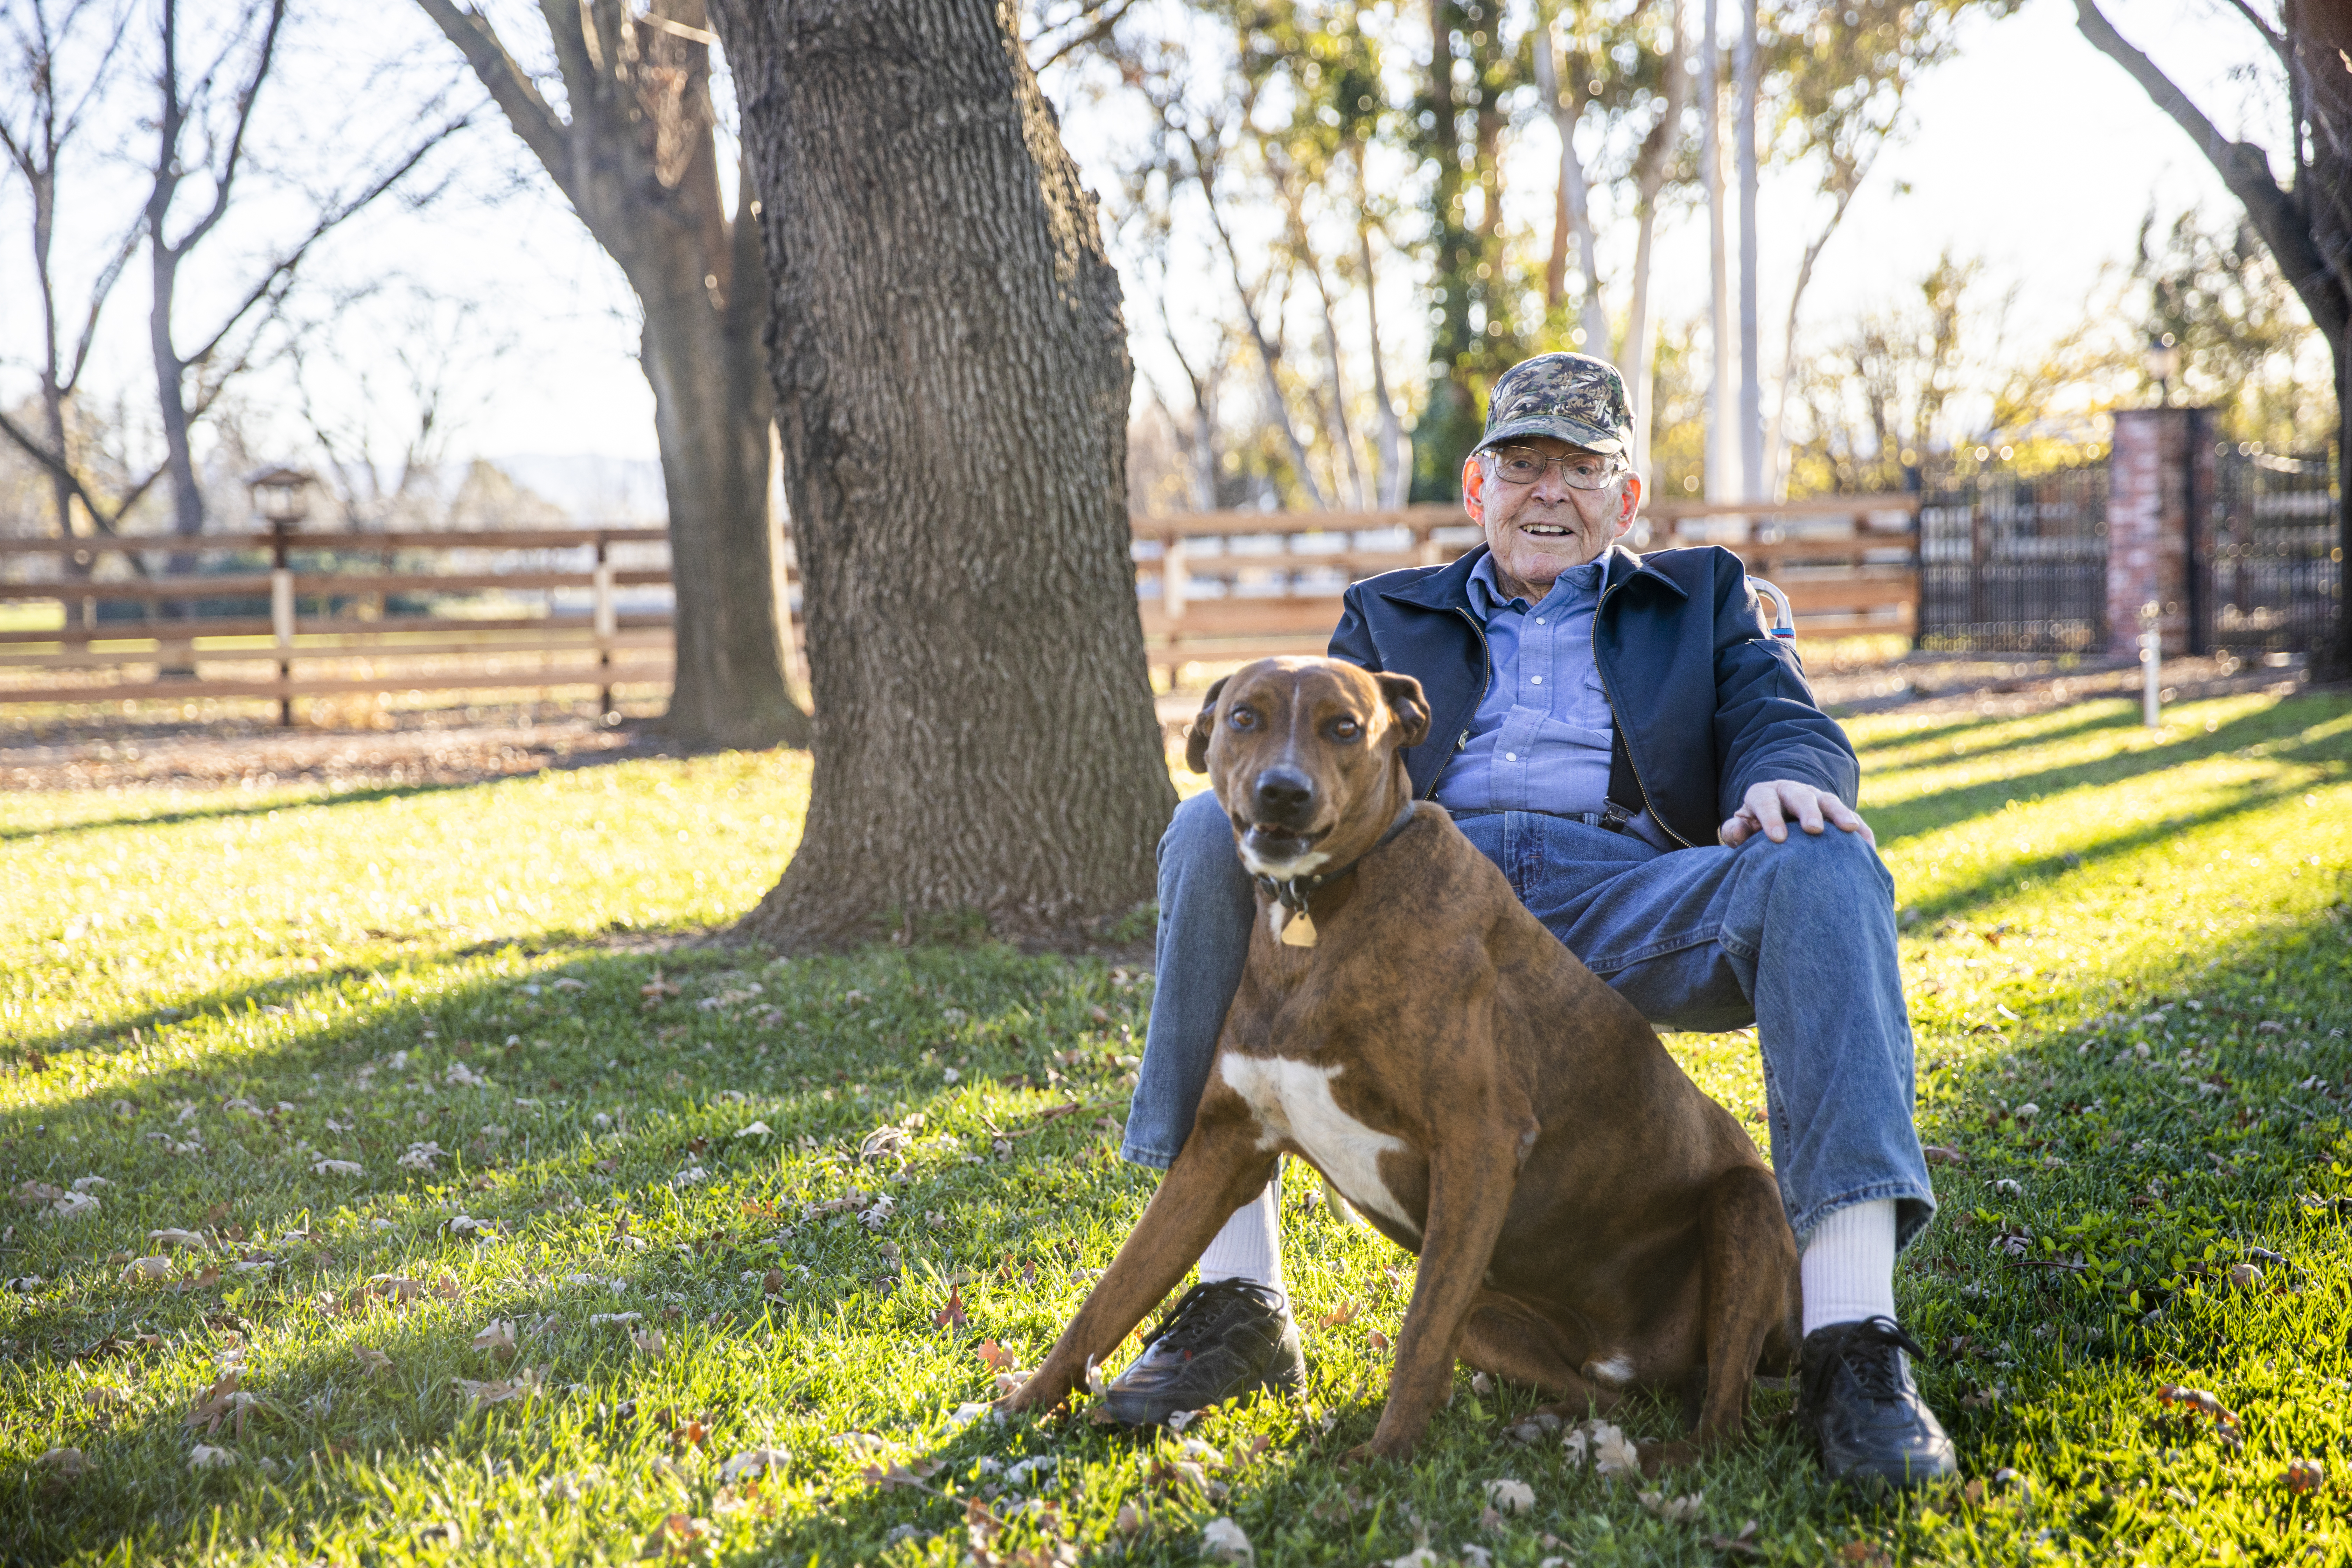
(1709, 702)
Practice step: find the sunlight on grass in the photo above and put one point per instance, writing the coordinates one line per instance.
(416, 1068)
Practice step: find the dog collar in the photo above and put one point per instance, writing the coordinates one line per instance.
(1295, 925)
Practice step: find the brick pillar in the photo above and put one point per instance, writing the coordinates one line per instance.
(2160, 488)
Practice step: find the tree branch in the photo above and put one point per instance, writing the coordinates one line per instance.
(510, 88)
(292, 258)
(1106, 13)
(2271, 36)
(246, 95)
(2325, 284)
(109, 526)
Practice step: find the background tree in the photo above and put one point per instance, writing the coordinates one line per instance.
(636, 153)
(59, 64)
(2306, 223)
(952, 387)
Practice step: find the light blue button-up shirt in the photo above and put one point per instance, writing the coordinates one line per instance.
(1540, 740)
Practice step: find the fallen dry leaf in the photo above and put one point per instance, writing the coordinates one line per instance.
(1378, 1340)
(374, 1363)
(2305, 1476)
(1344, 1313)
(1675, 1510)
(680, 1533)
(1221, 1538)
(203, 1457)
(65, 1464)
(951, 1316)
(179, 1238)
(522, 1386)
(140, 1269)
(752, 1462)
(773, 1282)
(1511, 1495)
(336, 1168)
(648, 1340)
(498, 1339)
(996, 1357)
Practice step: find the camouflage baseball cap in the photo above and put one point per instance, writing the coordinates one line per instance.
(1571, 397)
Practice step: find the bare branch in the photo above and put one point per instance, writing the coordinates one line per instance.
(246, 95)
(291, 257)
(1106, 15)
(2324, 283)
(510, 87)
(2271, 35)
(100, 518)
(100, 289)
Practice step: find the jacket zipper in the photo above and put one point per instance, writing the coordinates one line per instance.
(1648, 804)
(1486, 673)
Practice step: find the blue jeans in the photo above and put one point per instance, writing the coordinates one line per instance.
(1796, 938)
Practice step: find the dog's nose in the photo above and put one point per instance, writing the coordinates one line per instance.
(1285, 795)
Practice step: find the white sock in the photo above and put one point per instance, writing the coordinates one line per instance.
(1848, 1267)
(1250, 1246)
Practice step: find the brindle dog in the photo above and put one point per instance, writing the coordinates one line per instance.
(1587, 1220)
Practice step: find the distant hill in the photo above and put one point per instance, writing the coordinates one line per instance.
(591, 489)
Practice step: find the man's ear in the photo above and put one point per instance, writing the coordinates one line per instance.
(1408, 706)
(1196, 744)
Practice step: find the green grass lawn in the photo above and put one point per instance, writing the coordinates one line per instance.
(515, 1232)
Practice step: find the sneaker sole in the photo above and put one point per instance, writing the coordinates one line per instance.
(1155, 1413)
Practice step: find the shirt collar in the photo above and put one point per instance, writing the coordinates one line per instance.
(1577, 583)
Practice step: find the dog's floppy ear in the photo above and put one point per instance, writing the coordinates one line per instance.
(1196, 744)
(1409, 707)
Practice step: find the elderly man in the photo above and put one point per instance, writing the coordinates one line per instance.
(1619, 734)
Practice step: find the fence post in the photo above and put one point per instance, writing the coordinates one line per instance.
(606, 623)
(2152, 476)
(281, 619)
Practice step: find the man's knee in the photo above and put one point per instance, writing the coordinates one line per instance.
(1832, 864)
(1198, 830)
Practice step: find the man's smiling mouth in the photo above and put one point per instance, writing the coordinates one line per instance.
(1546, 530)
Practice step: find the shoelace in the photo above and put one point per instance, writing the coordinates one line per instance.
(1867, 1350)
(1188, 1322)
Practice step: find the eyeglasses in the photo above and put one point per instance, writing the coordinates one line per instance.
(1581, 470)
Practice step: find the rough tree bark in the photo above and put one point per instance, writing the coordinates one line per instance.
(636, 157)
(952, 382)
(2307, 223)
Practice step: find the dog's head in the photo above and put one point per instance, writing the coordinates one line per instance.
(1303, 754)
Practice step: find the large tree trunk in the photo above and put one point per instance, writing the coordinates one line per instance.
(636, 159)
(952, 382)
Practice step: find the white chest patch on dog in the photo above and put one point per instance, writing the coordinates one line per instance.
(1293, 1100)
(1615, 1372)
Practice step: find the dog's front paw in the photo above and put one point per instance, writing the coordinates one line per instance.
(1396, 1450)
(1042, 1391)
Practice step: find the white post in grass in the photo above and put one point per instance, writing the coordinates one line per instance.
(2151, 658)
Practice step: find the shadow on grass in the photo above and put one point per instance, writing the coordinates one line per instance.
(567, 763)
(2091, 717)
(2008, 877)
(404, 1460)
(1950, 808)
(557, 1186)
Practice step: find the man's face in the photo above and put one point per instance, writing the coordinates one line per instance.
(1537, 530)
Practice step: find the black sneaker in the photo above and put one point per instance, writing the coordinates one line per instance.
(1865, 1412)
(1220, 1341)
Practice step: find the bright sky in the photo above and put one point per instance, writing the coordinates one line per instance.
(2033, 152)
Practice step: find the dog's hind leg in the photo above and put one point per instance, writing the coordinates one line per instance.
(1504, 1338)
(1749, 1258)
(1221, 1167)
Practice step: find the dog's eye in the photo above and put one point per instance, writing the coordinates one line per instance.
(1345, 729)
(1242, 719)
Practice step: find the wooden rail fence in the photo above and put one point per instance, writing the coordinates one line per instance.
(1213, 587)
(1224, 587)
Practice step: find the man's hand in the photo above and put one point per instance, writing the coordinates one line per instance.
(1770, 806)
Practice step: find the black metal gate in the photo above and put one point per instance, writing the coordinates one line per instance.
(2015, 564)
(2267, 579)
